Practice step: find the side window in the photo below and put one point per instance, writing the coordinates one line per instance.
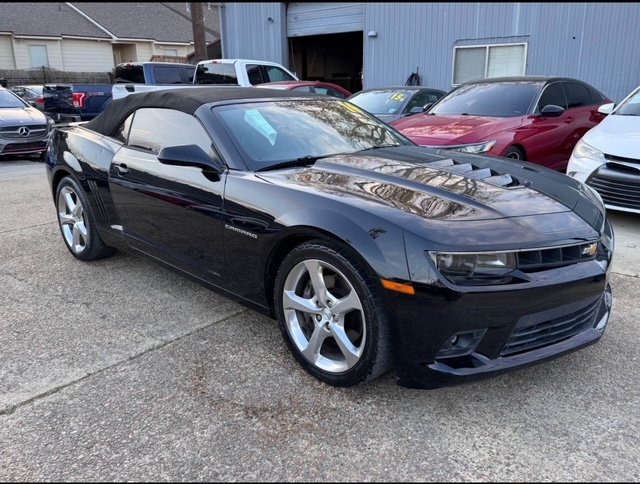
(187, 75)
(167, 75)
(122, 132)
(255, 77)
(597, 97)
(155, 128)
(577, 95)
(553, 94)
(275, 74)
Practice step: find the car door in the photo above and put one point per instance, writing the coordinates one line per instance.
(170, 212)
(547, 140)
(583, 111)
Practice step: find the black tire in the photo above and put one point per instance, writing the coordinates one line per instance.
(90, 246)
(514, 153)
(366, 327)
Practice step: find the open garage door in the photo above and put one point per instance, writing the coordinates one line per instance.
(326, 42)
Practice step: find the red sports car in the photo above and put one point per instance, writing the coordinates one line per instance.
(537, 119)
(316, 87)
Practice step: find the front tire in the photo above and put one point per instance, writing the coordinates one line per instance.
(514, 153)
(77, 223)
(331, 316)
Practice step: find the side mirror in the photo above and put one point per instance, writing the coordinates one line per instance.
(416, 110)
(606, 108)
(189, 155)
(551, 111)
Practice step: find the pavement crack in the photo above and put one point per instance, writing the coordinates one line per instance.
(26, 228)
(10, 409)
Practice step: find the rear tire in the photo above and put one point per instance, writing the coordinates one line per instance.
(77, 223)
(331, 316)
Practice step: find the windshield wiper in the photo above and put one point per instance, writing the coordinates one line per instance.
(302, 161)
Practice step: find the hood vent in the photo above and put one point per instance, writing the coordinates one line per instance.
(468, 170)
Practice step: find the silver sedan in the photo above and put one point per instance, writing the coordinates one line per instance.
(23, 129)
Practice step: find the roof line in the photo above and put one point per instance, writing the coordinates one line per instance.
(113, 37)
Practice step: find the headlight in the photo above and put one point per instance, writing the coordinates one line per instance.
(586, 151)
(474, 148)
(481, 267)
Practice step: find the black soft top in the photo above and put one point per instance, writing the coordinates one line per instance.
(187, 100)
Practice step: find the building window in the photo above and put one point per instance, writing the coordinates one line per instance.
(172, 52)
(480, 61)
(39, 56)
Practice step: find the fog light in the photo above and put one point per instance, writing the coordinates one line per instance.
(461, 344)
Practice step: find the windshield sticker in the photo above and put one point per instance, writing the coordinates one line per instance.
(397, 97)
(349, 106)
(254, 119)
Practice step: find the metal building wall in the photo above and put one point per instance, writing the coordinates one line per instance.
(254, 31)
(594, 42)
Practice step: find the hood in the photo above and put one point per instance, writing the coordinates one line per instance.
(428, 129)
(18, 116)
(415, 186)
(616, 135)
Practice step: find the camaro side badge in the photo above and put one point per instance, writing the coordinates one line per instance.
(240, 231)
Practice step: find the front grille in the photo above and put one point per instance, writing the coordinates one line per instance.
(24, 147)
(617, 185)
(531, 333)
(620, 158)
(12, 132)
(533, 260)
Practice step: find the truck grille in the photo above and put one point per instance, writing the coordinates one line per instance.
(532, 333)
(618, 185)
(28, 131)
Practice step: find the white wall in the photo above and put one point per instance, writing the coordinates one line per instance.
(87, 55)
(6, 53)
(144, 51)
(21, 49)
(158, 49)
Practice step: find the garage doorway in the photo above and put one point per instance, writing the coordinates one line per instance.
(335, 58)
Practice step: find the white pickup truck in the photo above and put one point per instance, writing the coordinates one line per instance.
(236, 72)
(241, 72)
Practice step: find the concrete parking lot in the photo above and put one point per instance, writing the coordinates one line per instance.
(122, 370)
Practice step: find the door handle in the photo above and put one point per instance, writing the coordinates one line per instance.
(122, 169)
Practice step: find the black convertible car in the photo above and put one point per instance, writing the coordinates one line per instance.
(371, 252)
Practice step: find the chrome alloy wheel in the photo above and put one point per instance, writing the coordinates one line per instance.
(324, 316)
(72, 221)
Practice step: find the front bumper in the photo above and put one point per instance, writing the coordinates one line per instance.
(23, 146)
(562, 310)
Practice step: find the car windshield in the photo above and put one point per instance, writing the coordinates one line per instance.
(272, 132)
(10, 100)
(382, 101)
(492, 99)
(631, 106)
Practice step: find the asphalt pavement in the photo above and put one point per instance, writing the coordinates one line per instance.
(120, 370)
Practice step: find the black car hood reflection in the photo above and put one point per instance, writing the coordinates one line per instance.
(435, 188)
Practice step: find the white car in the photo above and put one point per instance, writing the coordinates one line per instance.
(607, 158)
(241, 72)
